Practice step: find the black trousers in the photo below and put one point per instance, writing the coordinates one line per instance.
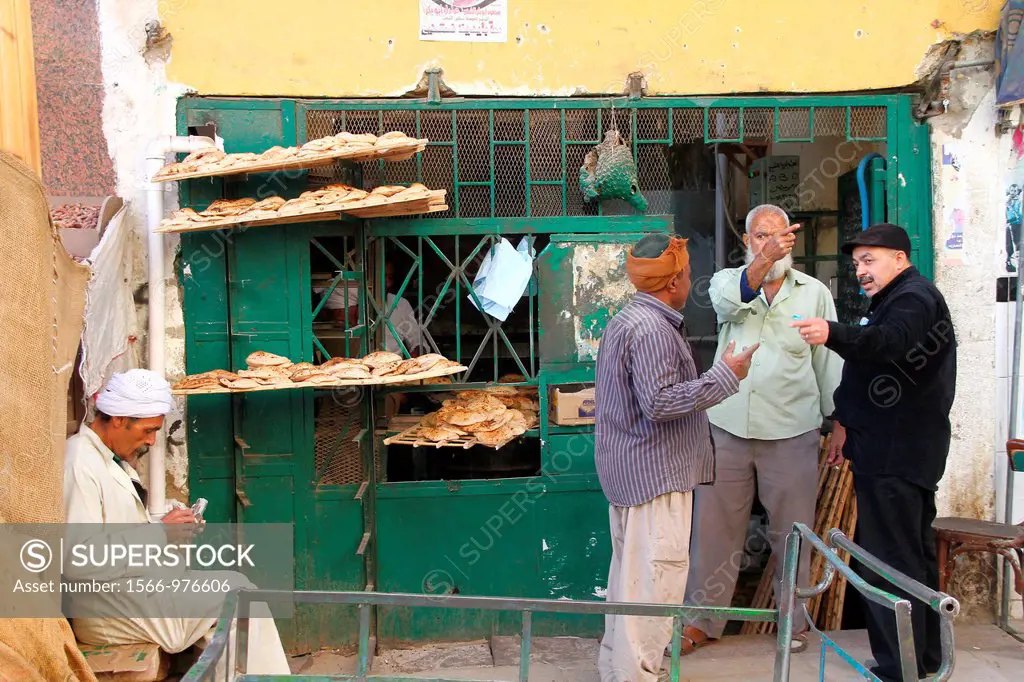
(894, 523)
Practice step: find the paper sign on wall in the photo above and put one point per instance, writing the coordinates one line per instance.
(464, 21)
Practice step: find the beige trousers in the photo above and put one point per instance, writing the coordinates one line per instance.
(175, 633)
(650, 562)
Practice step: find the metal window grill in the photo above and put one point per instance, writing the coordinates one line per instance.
(513, 162)
(437, 283)
(338, 453)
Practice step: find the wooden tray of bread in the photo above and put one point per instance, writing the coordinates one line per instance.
(492, 417)
(206, 163)
(326, 203)
(270, 372)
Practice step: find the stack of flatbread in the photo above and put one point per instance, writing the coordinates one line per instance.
(483, 415)
(268, 369)
(212, 160)
(336, 197)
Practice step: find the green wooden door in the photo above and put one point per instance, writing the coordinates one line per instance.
(277, 478)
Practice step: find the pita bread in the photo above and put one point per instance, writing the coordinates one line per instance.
(278, 153)
(264, 359)
(240, 383)
(274, 379)
(350, 372)
(263, 373)
(427, 362)
(307, 373)
(387, 190)
(322, 144)
(337, 360)
(322, 378)
(380, 358)
(201, 381)
(497, 437)
(439, 434)
(496, 423)
(386, 369)
(393, 135)
(268, 204)
(511, 379)
(408, 367)
(437, 380)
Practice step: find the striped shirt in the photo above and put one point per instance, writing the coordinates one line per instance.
(652, 435)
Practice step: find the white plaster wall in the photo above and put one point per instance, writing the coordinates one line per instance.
(975, 473)
(139, 104)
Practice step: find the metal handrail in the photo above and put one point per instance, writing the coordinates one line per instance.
(206, 668)
(219, 655)
(946, 606)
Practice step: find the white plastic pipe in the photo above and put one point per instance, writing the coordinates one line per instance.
(156, 155)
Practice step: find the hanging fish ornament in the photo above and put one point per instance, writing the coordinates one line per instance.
(609, 172)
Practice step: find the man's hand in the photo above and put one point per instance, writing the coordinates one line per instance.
(780, 244)
(835, 446)
(814, 331)
(739, 364)
(179, 532)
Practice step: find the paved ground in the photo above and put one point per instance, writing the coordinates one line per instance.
(984, 652)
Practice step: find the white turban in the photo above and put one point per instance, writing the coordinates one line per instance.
(137, 393)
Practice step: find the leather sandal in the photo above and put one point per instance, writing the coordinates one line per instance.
(693, 639)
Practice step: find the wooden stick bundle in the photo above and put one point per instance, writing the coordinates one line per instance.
(836, 508)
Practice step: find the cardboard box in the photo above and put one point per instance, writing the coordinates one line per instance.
(127, 663)
(572, 406)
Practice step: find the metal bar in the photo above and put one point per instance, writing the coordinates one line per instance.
(490, 120)
(455, 164)
(458, 601)
(871, 592)
(549, 103)
(242, 631)
(938, 601)
(363, 543)
(364, 642)
(458, 305)
(1018, 332)
(787, 606)
(677, 644)
(565, 185)
(207, 661)
(524, 648)
(905, 636)
(573, 225)
(419, 157)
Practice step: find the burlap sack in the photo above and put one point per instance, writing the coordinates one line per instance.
(42, 295)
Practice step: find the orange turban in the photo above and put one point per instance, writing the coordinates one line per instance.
(654, 274)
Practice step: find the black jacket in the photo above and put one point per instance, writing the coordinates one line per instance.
(898, 383)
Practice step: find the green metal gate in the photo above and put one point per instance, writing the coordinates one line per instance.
(315, 458)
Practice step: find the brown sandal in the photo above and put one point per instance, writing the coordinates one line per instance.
(693, 639)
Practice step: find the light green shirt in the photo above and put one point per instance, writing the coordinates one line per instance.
(790, 385)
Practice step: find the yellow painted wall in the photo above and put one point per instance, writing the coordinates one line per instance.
(344, 48)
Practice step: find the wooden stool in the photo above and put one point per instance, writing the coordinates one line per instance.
(955, 536)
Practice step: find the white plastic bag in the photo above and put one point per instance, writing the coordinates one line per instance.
(503, 277)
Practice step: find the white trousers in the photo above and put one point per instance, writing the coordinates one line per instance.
(650, 562)
(175, 634)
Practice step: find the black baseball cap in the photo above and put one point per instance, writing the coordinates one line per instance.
(885, 235)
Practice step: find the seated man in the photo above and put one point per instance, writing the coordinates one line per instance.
(101, 486)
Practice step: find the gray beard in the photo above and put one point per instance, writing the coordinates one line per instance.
(778, 269)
